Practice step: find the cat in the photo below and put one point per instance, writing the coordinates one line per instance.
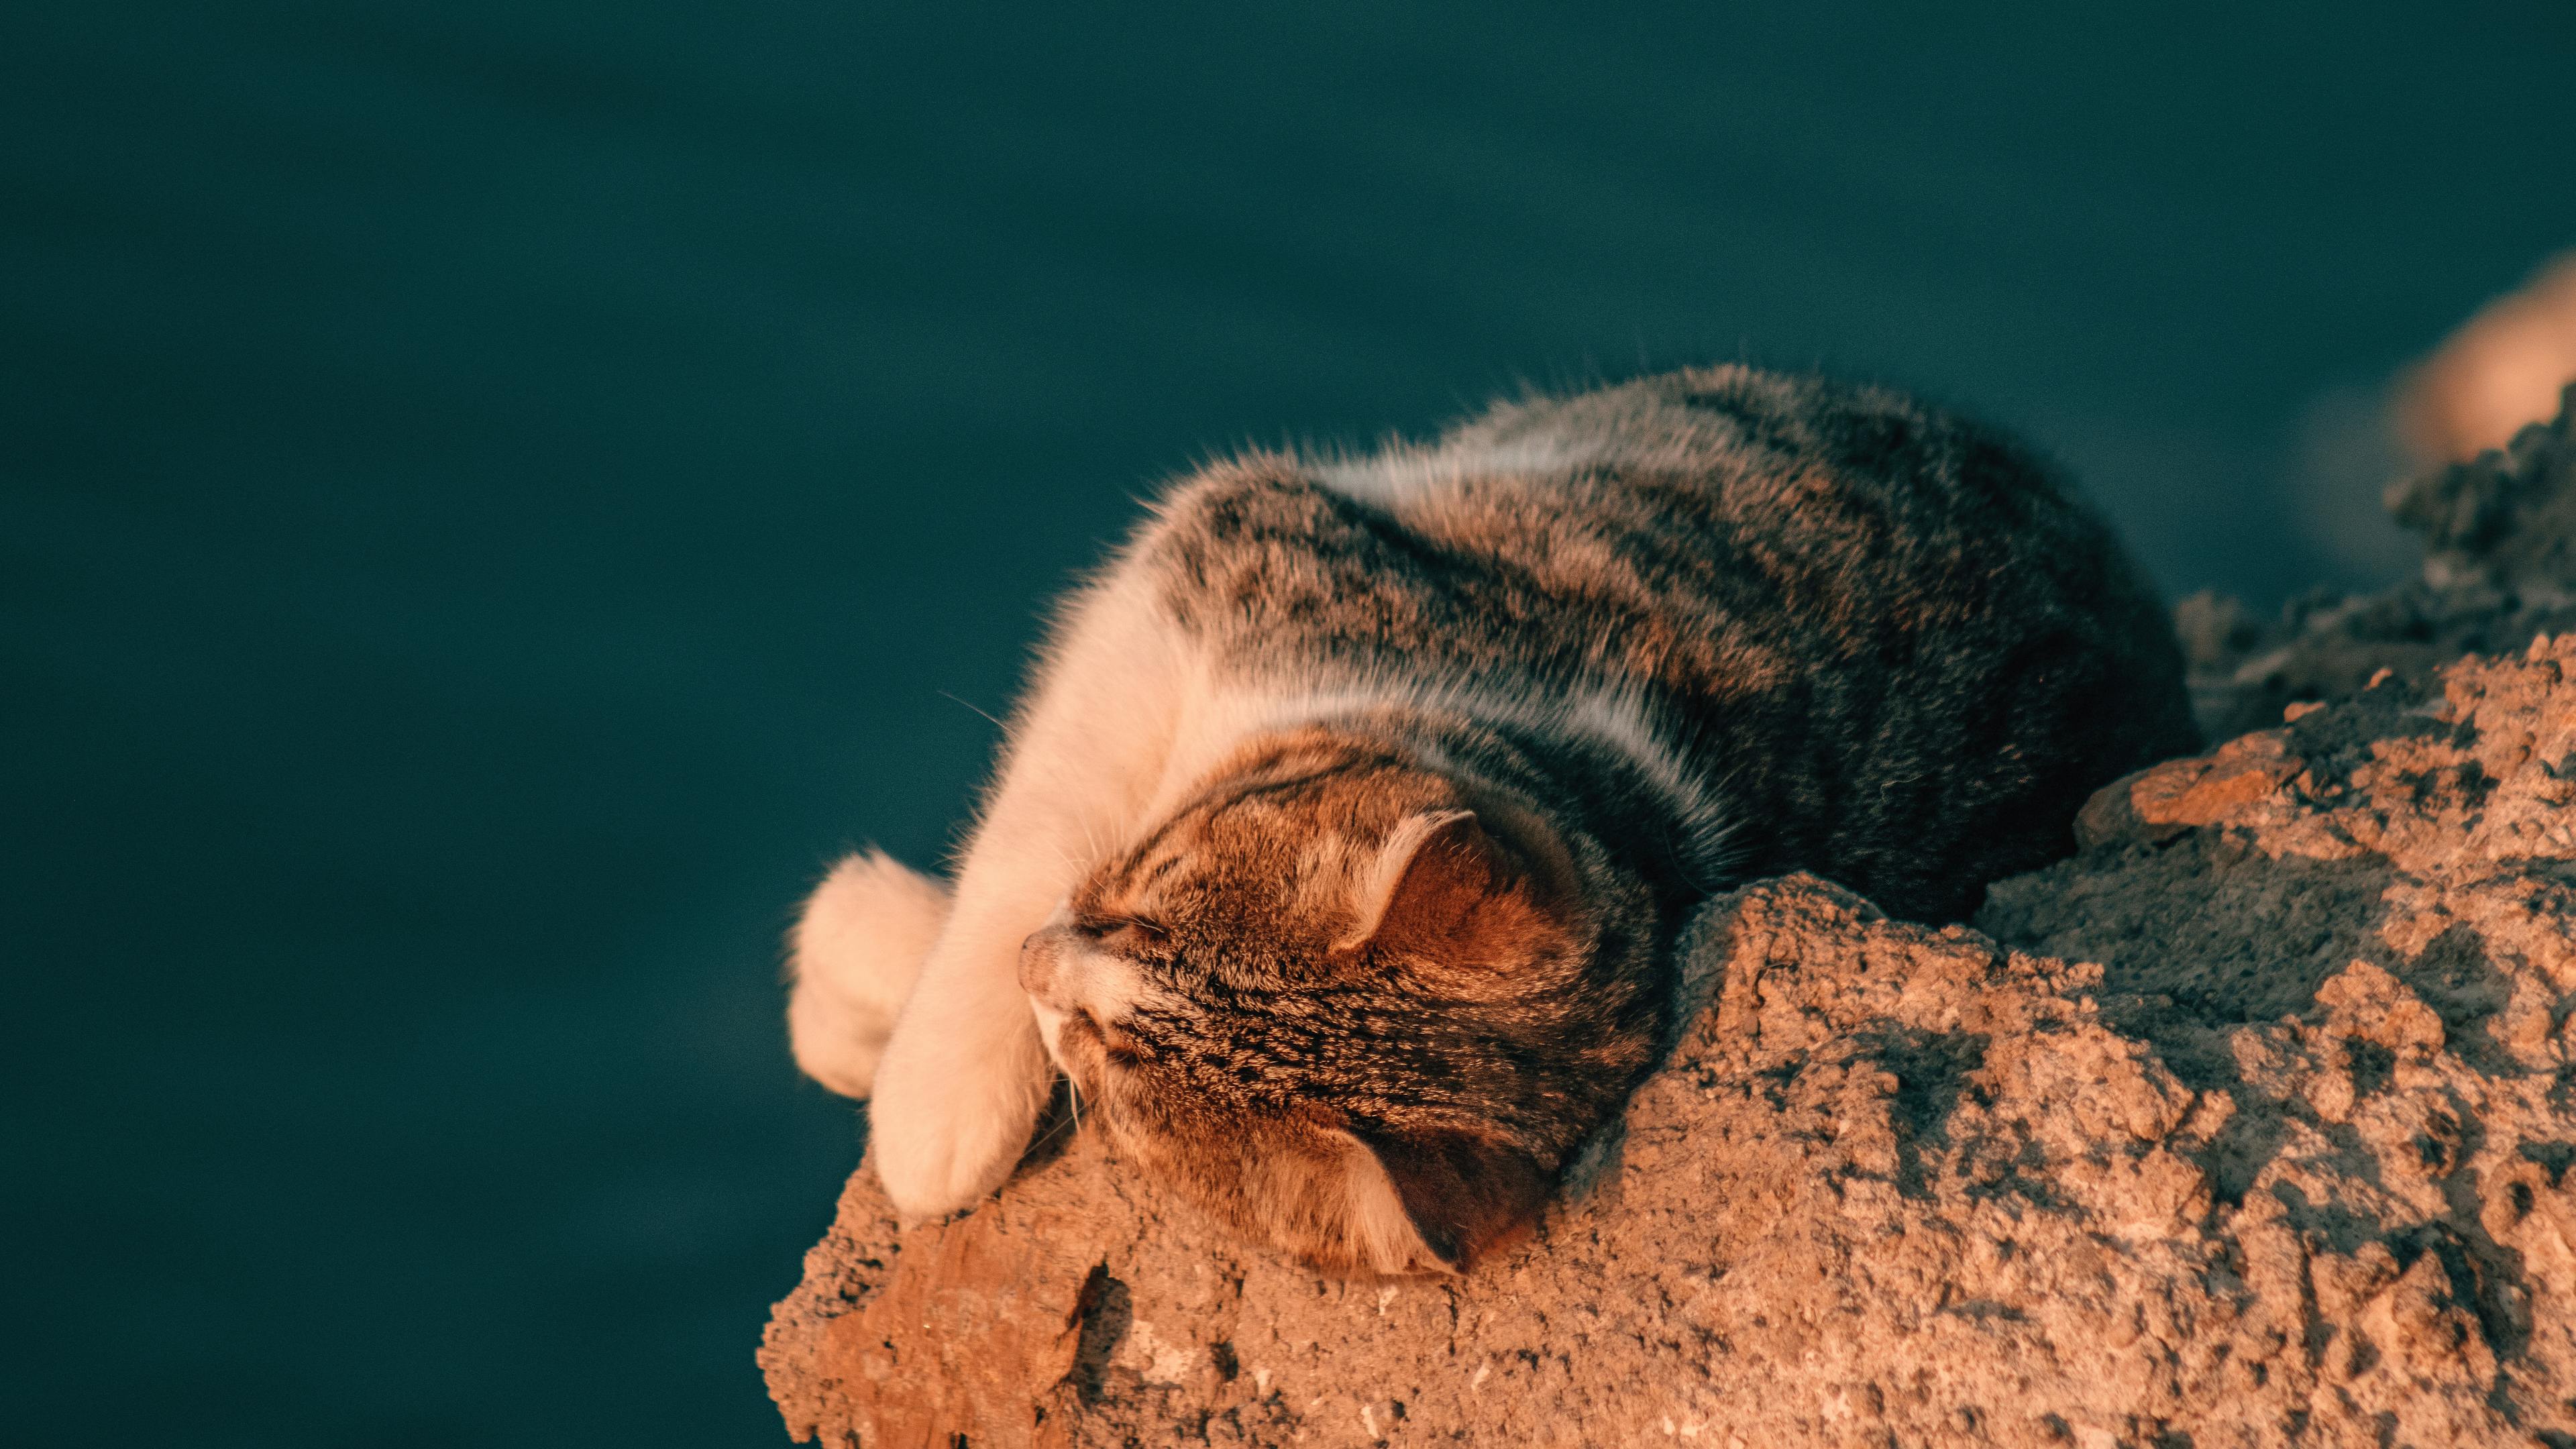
(1342, 845)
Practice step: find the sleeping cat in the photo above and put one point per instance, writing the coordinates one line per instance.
(1341, 849)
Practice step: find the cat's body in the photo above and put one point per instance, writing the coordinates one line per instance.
(1342, 847)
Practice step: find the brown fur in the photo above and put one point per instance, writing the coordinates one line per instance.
(1327, 910)
(1372, 797)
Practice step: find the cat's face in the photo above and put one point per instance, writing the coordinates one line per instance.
(1345, 1003)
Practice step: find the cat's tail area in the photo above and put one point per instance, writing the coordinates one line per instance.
(851, 961)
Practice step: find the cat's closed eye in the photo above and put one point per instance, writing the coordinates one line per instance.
(1123, 933)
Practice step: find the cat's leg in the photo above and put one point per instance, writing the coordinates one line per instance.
(965, 1074)
(856, 950)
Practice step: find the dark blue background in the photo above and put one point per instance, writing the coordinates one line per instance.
(492, 495)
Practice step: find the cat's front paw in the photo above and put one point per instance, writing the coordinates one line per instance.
(952, 1114)
(857, 948)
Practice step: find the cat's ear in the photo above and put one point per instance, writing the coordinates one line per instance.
(1431, 866)
(1439, 1199)
(1446, 885)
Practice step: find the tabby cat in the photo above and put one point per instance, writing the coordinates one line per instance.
(1342, 847)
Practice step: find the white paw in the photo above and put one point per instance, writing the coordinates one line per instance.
(954, 1107)
(837, 1042)
(856, 950)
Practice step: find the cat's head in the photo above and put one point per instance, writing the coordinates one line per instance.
(1351, 1004)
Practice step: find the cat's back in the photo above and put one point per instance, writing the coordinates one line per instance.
(1846, 498)
(1891, 629)
(1697, 531)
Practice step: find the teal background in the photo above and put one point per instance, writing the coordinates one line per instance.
(493, 496)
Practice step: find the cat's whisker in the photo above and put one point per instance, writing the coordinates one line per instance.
(944, 694)
(1066, 1125)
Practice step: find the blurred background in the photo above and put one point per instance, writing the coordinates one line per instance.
(494, 496)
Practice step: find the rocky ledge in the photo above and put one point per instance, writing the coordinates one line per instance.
(2250, 1124)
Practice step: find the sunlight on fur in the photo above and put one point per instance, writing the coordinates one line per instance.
(851, 961)
(1341, 847)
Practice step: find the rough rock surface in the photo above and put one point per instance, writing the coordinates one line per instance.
(2254, 1129)
(2500, 566)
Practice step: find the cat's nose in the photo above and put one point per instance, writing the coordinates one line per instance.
(1042, 965)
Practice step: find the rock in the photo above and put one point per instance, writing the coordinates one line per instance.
(2507, 516)
(2500, 567)
(2248, 1125)
(2263, 1132)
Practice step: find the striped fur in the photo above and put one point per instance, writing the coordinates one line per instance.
(1343, 844)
